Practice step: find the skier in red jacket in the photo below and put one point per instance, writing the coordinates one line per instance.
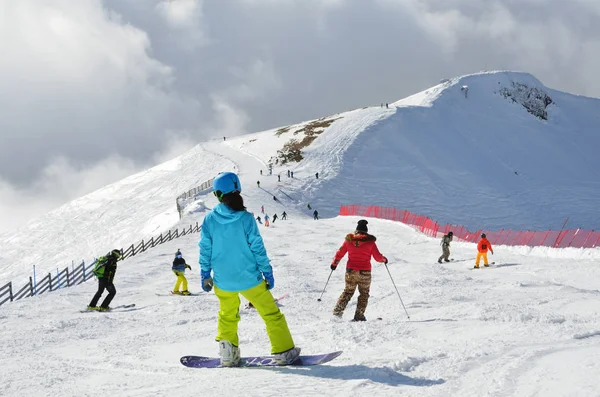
(360, 246)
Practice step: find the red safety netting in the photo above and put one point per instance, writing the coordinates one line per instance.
(577, 238)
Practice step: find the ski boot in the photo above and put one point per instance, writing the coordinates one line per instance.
(92, 308)
(287, 357)
(186, 292)
(230, 354)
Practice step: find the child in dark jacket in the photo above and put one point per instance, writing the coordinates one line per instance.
(178, 268)
(360, 246)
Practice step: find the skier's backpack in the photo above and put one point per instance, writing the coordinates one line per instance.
(100, 266)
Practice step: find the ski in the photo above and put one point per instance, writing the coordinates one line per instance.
(258, 361)
(355, 321)
(116, 308)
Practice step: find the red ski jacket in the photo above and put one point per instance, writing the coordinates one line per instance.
(360, 247)
(484, 245)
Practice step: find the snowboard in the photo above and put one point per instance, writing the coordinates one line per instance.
(257, 361)
(116, 308)
(483, 266)
(172, 294)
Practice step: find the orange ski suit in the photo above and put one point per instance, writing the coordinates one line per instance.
(482, 247)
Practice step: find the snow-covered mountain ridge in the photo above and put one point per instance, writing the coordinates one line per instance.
(475, 156)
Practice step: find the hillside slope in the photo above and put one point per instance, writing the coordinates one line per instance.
(509, 153)
(137, 207)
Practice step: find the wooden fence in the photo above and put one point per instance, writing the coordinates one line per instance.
(82, 273)
(182, 198)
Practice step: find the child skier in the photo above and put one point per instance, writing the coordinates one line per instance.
(178, 268)
(232, 248)
(446, 240)
(105, 269)
(267, 220)
(283, 215)
(360, 246)
(482, 248)
(316, 215)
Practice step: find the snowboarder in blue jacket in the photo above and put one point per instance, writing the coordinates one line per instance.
(232, 248)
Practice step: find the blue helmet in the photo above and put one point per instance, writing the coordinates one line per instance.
(226, 182)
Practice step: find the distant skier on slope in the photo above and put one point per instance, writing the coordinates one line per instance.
(274, 217)
(316, 215)
(482, 248)
(283, 216)
(258, 219)
(178, 268)
(232, 248)
(360, 246)
(446, 240)
(105, 269)
(266, 220)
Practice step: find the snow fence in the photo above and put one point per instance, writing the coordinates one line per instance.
(576, 238)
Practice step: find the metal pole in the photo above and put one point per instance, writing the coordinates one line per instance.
(388, 270)
(325, 286)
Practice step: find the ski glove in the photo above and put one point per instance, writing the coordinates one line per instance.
(269, 280)
(188, 266)
(385, 260)
(334, 264)
(207, 281)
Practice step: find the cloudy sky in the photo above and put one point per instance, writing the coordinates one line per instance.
(95, 90)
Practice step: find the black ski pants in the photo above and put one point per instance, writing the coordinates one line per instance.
(104, 284)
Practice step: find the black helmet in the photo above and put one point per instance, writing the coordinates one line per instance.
(483, 235)
(116, 253)
(450, 234)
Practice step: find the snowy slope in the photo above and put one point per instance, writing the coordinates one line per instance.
(528, 327)
(481, 161)
(140, 206)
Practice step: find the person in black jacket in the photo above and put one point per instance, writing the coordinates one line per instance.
(105, 271)
(178, 268)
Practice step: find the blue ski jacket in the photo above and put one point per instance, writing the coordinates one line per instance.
(232, 247)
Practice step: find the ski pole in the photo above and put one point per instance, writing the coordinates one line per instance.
(388, 270)
(325, 286)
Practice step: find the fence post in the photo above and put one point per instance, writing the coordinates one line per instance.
(10, 295)
(586, 239)
(50, 280)
(574, 235)
(31, 287)
(34, 289)
(83, 264)
(68, 281)
(57, 279)
(559, 233)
